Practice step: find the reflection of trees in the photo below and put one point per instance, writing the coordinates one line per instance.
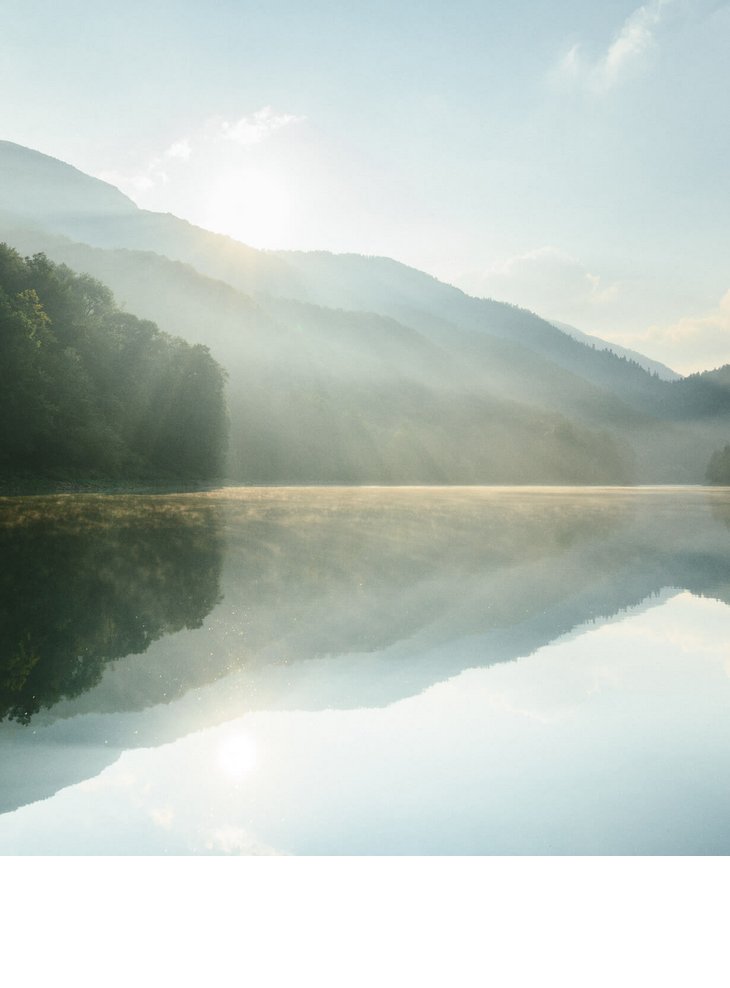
(719, 506)
(86, 580)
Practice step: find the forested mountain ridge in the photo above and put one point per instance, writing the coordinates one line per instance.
(352, 369)
(653, 366)
(88, 391)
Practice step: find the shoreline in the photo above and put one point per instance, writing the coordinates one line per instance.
(149, 487)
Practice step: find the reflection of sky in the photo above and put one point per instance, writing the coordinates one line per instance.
(613, 740)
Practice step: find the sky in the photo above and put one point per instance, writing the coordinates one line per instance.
(570, 157)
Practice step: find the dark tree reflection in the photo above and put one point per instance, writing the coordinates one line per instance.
(86, 580)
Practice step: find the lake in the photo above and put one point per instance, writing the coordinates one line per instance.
(366, 671)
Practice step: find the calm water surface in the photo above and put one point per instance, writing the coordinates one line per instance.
(366, 671)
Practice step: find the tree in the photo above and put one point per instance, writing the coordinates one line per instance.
(718, 469)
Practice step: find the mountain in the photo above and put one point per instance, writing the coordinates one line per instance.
(351, 369)
(653, 366)
(40, 188)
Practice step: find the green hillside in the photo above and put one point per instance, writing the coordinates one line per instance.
(89, 392)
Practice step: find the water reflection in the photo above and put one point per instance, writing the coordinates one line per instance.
(470, 576)
(372, 602)
(87, 580)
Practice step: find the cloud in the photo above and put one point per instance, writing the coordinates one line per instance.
(560, 288)
(180, 149)
(256, 127)
(142, 180)
(231, 839)
(249, 130)
(154, 173)
(693, 343)
(546, 280)
(635, 39)
(163, 816)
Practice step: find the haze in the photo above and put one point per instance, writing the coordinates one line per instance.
(568, 158)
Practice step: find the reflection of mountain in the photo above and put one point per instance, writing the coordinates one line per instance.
(350, 369)
(86, 580)
(346, 598)
(329, 572)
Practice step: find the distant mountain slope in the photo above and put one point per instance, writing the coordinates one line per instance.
(38, 187)
(354, 369)
(653, 366)
(349, 281)
(318, 395)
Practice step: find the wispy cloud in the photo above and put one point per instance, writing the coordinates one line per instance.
(249, 130)
(180, 149)
(697, 342)
(234, 840)
(151, 174)
(257, 127)
(547, 280)
(548, 262)
(633, 42)
(635, 38)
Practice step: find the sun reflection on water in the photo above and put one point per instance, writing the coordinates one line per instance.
(237, 755)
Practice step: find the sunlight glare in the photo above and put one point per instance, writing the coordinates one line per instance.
(251, 206)
(237, 755)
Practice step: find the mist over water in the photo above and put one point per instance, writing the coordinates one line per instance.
(366, 670)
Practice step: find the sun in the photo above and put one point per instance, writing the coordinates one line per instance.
(251, 205)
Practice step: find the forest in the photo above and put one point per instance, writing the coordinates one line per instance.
(91, 393)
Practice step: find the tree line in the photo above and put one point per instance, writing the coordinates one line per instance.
(88, 391)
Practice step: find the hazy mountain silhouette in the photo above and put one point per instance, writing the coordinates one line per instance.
(653, 366)
(351, 369)
(38, 187)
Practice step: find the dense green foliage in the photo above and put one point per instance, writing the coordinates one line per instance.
(718, 469)
(87, 390)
